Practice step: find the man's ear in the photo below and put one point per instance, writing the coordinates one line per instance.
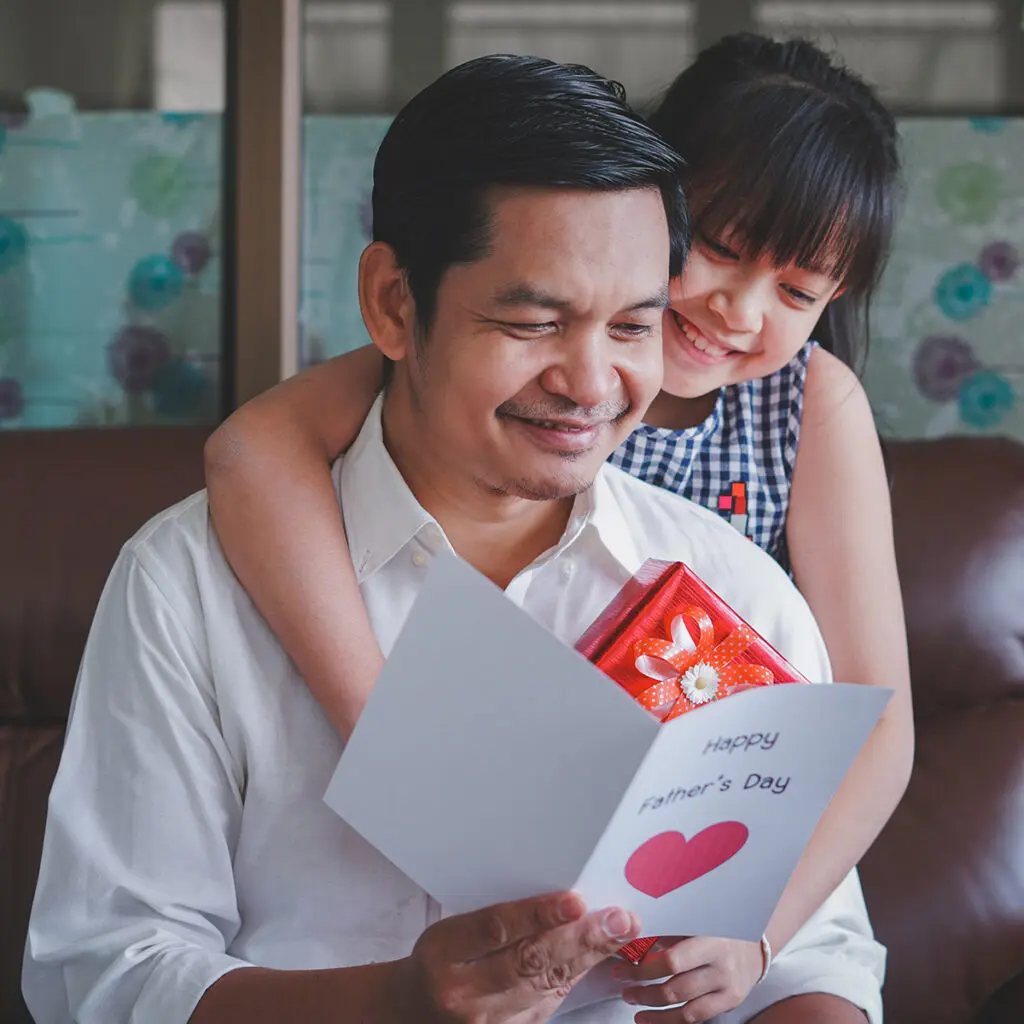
(385, 301)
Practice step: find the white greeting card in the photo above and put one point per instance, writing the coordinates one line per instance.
(493, 763)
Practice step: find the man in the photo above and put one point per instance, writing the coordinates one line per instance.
(526, 223)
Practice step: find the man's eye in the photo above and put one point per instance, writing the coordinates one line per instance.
(633, 330)
(531, 328)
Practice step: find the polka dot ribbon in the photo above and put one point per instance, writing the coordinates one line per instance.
(668, 661)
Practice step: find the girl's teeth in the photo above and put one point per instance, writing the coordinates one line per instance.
(702, 344)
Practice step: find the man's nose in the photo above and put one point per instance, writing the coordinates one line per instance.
(585, 370)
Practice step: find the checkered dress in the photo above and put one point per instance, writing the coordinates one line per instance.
(739, 461)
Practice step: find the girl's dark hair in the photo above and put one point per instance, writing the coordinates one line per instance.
(797, 156)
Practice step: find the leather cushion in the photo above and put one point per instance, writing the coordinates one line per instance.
(958, 510)
(944, 882)
(71, 499)
(28, 763)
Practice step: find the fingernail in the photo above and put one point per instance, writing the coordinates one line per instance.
(569, 909)
(616, 924)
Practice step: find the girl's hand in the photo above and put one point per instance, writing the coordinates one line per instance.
(711, 976)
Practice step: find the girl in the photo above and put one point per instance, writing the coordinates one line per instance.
(792, 180)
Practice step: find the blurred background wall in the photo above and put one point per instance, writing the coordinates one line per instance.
(184, 185)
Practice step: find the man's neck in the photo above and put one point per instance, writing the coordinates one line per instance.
(499, 535)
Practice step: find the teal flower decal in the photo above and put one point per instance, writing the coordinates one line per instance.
(969, 193)
(985, 400)
(155, 282)
(963, 291)
(13, 244)
(179, 119)
(988, 125)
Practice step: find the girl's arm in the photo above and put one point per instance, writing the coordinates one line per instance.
(840, 536)
(276, 513)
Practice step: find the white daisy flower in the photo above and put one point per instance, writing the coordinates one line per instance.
(700, 683)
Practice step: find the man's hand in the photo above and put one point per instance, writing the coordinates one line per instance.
(509, 964)
(711, 976)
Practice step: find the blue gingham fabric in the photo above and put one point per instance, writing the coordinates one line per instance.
(739, 461)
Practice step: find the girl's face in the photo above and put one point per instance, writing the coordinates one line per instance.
(733, 319)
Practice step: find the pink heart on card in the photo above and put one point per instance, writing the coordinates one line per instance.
(668, 861)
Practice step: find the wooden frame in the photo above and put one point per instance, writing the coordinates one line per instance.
(263, 175)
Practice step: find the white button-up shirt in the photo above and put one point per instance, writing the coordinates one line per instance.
(187, 834)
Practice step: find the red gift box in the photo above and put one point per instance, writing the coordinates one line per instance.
(673, 645)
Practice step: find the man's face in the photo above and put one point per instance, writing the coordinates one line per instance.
(543, 355)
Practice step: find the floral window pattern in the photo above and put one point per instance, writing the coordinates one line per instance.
(947, 349)
(946, 355)
(109, 267)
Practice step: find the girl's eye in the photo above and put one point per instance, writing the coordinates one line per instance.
(723, 252)
(800, 296)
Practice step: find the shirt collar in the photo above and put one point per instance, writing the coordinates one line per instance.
(605, 516)
(381, 514)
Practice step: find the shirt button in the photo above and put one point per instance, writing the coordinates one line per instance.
(420, 558)
(566, 570)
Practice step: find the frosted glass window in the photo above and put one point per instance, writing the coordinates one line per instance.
(189, 57)
(642, 45)
(923, 56)
(347, 56)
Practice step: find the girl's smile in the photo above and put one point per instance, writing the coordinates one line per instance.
(704, 349)
(733, 318)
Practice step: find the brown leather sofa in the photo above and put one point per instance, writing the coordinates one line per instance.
(945, 882)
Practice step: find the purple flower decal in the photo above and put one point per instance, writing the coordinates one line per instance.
(999, 261)
(941, 365)
(12, 398)
(191, 251)
(136, 356)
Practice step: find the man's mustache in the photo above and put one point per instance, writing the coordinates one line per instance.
(605, 412)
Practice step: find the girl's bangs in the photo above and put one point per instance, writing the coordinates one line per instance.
(795, 193)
